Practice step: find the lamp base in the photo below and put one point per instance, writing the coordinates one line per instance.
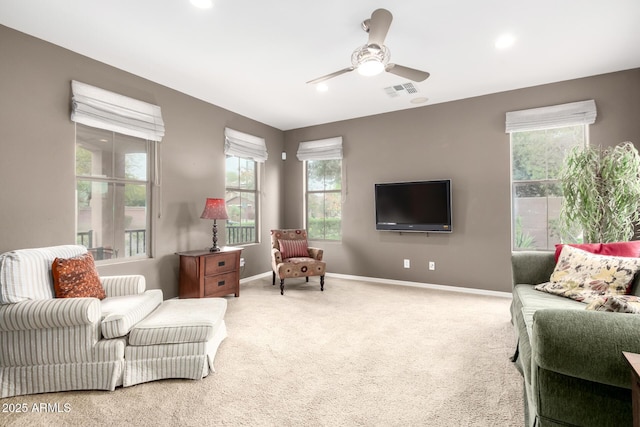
(215, 247)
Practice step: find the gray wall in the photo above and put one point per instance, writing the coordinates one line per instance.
(37, 146)
(462, 140)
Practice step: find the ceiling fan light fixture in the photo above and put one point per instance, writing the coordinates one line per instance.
(370, 60)
(370, 67)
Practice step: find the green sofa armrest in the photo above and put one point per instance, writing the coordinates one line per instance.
(531, 267)
(585, 344)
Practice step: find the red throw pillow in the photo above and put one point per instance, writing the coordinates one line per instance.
(293, 248)
(623, 249)
(77, 278)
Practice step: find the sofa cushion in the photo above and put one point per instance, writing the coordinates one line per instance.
(625, 249)
(617, 304)
(25, 274)
(528, 301)
(120, 314)
(181, 321)
(293, 248)
(77, 277)
(584, 276)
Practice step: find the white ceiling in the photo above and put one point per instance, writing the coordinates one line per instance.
(253, 57)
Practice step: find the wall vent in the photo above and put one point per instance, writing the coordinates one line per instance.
(401, 89)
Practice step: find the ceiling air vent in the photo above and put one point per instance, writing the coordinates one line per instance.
(398, 90)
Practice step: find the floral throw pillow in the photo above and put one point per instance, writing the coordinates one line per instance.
(77, 278)
(293, 248)
(585, 277)
(617, 304)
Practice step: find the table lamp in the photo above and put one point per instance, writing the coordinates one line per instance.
(215, 209)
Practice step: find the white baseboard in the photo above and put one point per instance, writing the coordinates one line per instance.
(257, 276)
(402, 283)
(424, 285)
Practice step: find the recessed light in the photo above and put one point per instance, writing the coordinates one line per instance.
(322, 87)
(505, 41)
(202, 4)
(419, 100)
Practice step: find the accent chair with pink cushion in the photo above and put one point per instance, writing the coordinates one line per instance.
(292, 257)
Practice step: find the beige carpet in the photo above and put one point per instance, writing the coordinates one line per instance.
(357, 354)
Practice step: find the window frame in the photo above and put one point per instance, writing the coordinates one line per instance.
(256, 193)
(546, 181)
(149, 184)
(308, 192)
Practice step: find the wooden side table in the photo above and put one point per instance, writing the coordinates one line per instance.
(210, 274)
(634, 361)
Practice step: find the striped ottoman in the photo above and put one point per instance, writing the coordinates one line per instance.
(177, 340)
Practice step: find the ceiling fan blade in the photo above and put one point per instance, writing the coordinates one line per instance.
(330, 76)
(379, 26)
(407, 73)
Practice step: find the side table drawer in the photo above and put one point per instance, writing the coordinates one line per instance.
(221, 263)
(221, 284)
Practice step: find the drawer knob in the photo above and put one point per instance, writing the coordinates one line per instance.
(220, 263)
(221, 283)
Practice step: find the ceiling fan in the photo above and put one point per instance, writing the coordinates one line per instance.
(373, 57)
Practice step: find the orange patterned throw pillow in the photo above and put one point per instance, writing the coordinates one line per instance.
(293, 248)
(77, 278)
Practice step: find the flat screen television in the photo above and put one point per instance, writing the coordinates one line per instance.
(414, 206)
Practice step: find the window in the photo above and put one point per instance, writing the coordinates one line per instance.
(242, 187)
(323, 187)
(323, 199)
(241, 196)
(116, 141)
(113, 189)
(536, 158)
(540, 140)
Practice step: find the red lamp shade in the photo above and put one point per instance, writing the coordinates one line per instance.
(215, 209)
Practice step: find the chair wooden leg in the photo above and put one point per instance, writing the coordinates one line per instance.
(322, 283)
(281, 286)
(273, 282)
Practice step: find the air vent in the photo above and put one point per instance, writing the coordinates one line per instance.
(402, 89)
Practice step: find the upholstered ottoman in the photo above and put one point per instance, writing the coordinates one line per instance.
(177, 340)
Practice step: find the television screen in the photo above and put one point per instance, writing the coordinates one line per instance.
(414, 206)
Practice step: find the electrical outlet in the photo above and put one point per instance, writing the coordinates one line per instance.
(241, 262)
(432, 265)
(407, 263)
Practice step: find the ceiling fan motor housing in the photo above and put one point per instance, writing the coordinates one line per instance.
(370, 52)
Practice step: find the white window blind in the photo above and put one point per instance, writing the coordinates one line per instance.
(572, 114)
(322, 149)
(244, 145)
(102, 109)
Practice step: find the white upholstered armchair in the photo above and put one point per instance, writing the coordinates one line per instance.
(52, 344)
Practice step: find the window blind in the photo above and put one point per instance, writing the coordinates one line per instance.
(102, 109)
(322, 149)
(243, 145)
(574, 113)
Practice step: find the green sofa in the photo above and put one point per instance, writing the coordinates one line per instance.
(571, 359)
